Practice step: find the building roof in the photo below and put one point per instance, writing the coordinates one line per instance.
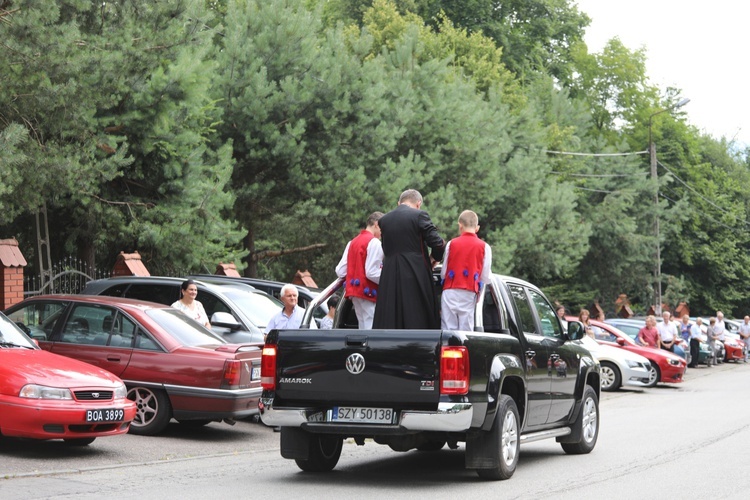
(132, 261)
(10, 254)
(227, 270)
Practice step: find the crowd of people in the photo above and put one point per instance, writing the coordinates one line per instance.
(667, 333)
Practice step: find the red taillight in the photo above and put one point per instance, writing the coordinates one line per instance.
(268, 368)
(454, 370)
(232, 372)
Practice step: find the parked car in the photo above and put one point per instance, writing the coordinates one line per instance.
(666, 367)
(306, 295)
(618, 366)
(631, 326)
(45, 396)
(237, 312)
(733, 348)
(173, 367)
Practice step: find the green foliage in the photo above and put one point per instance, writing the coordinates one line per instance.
(113, 99)
(205, 131)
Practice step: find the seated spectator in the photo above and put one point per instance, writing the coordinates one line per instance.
(327, 322)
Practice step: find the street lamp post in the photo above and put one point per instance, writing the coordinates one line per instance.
(655, 179)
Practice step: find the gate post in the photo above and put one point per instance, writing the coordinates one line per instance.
(11, 273)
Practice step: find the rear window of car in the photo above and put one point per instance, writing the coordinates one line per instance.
(186, 330)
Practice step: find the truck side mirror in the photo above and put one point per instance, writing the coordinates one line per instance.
(576, 331)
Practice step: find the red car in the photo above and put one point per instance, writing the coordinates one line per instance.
(666, 367)
(173, 367)
(44, 396)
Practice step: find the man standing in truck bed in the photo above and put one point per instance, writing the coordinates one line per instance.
(406, 296)
(361, 266)
(466, 267)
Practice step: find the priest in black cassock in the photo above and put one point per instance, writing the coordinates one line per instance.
(406, 296)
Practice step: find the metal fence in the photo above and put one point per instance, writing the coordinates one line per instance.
(68, 276)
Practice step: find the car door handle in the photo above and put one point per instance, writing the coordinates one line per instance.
(111, 357)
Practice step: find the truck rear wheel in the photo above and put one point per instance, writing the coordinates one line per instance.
(324, 453)
(506, 441)
(587, 423)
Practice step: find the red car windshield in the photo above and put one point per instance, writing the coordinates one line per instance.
(186, 330)
(12, 336)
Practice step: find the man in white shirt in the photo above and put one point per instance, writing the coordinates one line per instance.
(290, 316)
(720, 328)
(745, 335)
(667, 332)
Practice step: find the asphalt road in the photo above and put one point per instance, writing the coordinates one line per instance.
(689, 440)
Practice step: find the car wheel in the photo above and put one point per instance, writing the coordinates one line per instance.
(588, 424)
(153, 411)
(79, 441)
(506, 441)
(610, 376)
(324, 453)
(654, 375)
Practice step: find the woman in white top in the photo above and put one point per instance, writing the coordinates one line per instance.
(188, 305)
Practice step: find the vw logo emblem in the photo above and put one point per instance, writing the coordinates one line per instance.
(95, 395)
(355, 363)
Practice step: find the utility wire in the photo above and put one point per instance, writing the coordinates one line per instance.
(599, 175)
(700, 195)
(700, 213)
(595, 155)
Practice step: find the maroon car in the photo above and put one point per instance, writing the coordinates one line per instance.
(172, 366)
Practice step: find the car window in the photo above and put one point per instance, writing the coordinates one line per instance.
(258, 307)
(547, 317)
(87, 324)
(144, 341)
(184, 329)
(37, 319)
(631, 330)
(212, 303)
(524, 308)
(117, 290)
(604, 335)
(154, 292)
(121, 330)
(493, 313)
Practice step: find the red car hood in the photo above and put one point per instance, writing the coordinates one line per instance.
(19, 367)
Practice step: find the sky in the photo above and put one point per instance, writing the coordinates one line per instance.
(699, 47)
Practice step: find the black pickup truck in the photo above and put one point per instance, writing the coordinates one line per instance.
(516, 378)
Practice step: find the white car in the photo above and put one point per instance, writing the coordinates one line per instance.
(618, 366)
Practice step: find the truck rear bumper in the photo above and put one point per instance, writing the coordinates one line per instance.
(449, 417)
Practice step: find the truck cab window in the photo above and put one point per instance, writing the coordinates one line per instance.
(550, 324)
(524, 309)
(493, 314)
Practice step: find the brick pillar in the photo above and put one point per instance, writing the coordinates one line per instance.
(11, 273)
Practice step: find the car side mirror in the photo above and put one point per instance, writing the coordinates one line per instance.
(225, 320)
(620, 341)
(576, 331)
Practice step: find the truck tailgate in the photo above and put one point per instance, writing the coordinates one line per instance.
(399, 368)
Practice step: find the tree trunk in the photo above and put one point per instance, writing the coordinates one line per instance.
(251, 271)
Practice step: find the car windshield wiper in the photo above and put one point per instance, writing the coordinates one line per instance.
(4, 343)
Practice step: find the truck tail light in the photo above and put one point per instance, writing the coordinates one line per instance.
(232, 373)
(268, 367)
(454, 370)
